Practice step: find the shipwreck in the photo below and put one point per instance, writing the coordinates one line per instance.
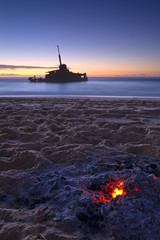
(60, 75)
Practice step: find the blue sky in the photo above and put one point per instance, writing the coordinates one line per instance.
(102, 38)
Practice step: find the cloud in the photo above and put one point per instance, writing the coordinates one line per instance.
(13, 67)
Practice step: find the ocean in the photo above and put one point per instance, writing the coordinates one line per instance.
(96, 87)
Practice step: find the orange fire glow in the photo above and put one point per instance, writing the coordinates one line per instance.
(113, 189)
(117, 192)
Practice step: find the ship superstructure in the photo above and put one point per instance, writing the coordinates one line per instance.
(62, 74)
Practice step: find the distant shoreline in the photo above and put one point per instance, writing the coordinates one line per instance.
(81, 97)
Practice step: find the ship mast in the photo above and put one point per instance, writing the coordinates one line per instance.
(59, 55)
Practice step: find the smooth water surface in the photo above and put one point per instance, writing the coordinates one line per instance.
(114, 87)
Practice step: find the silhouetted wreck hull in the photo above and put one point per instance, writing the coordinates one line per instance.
(58, 79)
(61, 75)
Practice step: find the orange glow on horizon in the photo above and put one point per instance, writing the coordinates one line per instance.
(92, 71)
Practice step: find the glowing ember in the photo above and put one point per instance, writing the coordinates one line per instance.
(113, 189)
(117, 192)
(155, 178)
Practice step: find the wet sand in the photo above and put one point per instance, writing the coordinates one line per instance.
(47, 141)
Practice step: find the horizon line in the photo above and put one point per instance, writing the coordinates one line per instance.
(118, 76)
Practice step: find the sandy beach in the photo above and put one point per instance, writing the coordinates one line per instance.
(55, 153)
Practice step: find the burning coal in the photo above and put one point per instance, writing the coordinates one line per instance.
(112, 189)
(97, 199)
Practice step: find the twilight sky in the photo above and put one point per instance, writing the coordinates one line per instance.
(101, 37)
